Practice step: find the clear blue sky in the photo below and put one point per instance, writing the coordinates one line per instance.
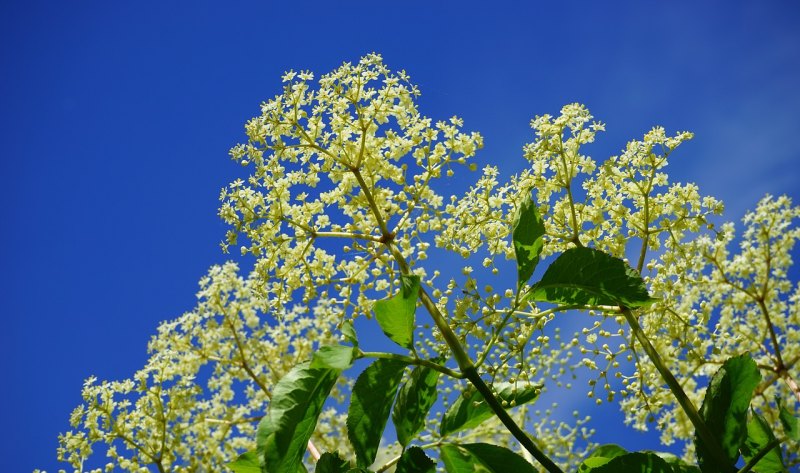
(116, 118)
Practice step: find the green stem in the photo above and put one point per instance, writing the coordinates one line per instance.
(412, 361)
(462, 358)
(523, 438)
(686, 404)
(749, 466)
(468, 369)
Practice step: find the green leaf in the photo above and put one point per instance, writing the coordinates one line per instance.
(759, 435)
(395, 315)
(370, 404)
(414, 460)
(338, 357)
(332, 463)
(600, 456)
(247, 462)
(635, 462)
(482, 457)
(296, 403)
(724, 410)
(527, 236)
(585, 276)
(678, 466)
(414, 400)
(789, 422)
(471, 409)
(349, 332)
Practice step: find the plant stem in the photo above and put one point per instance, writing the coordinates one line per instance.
(769, 446)
(413, 361)
(523, 438)
(686, 404)
(462, 358)
(468, 369)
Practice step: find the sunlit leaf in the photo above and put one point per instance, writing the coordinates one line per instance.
(296, 403)
(395, 315)
(471, 409)
(339, 357)
(247, 462)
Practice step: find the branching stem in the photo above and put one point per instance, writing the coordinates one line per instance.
(413, 361)
(686, 404)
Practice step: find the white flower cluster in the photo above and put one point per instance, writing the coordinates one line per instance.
(197, 402)
(342, 199)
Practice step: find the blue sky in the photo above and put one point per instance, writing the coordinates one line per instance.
(117, 117)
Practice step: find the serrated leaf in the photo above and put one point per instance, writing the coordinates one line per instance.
(482, 457)
(370, 403)
(338, 357)
(349, 332)
(634, 462)
(789, 422)
(527, 236)
(414, 460)
(585, 276)
(395, 315)
(247, 462)
(295, 405)
(471, 409)
(331, 463)
(724, 410)
(414, 400)
(759, 435)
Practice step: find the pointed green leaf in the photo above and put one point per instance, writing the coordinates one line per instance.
(759, 435)
(724, 410)
(247, 462)
(600, 456)
(414, 460)
(586, 276)
(482, 457)
(332, 463)
(789, 422)
(471, 409)
(296, 403)
(527, 236)
(349, 332)
(338, 357)
(414, 400)
(635, 462)
(395, 315)
(370, 404)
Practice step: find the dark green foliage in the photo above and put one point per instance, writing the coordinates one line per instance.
(585, 276)
(414, 400)
(370, 404)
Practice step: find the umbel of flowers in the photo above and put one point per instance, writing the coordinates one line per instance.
(692, 326)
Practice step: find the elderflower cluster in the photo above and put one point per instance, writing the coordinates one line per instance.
(718, 302)
(196, 403)
(342, 199)
(347, 157)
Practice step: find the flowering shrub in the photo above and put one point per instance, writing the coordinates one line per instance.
(339, 216)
